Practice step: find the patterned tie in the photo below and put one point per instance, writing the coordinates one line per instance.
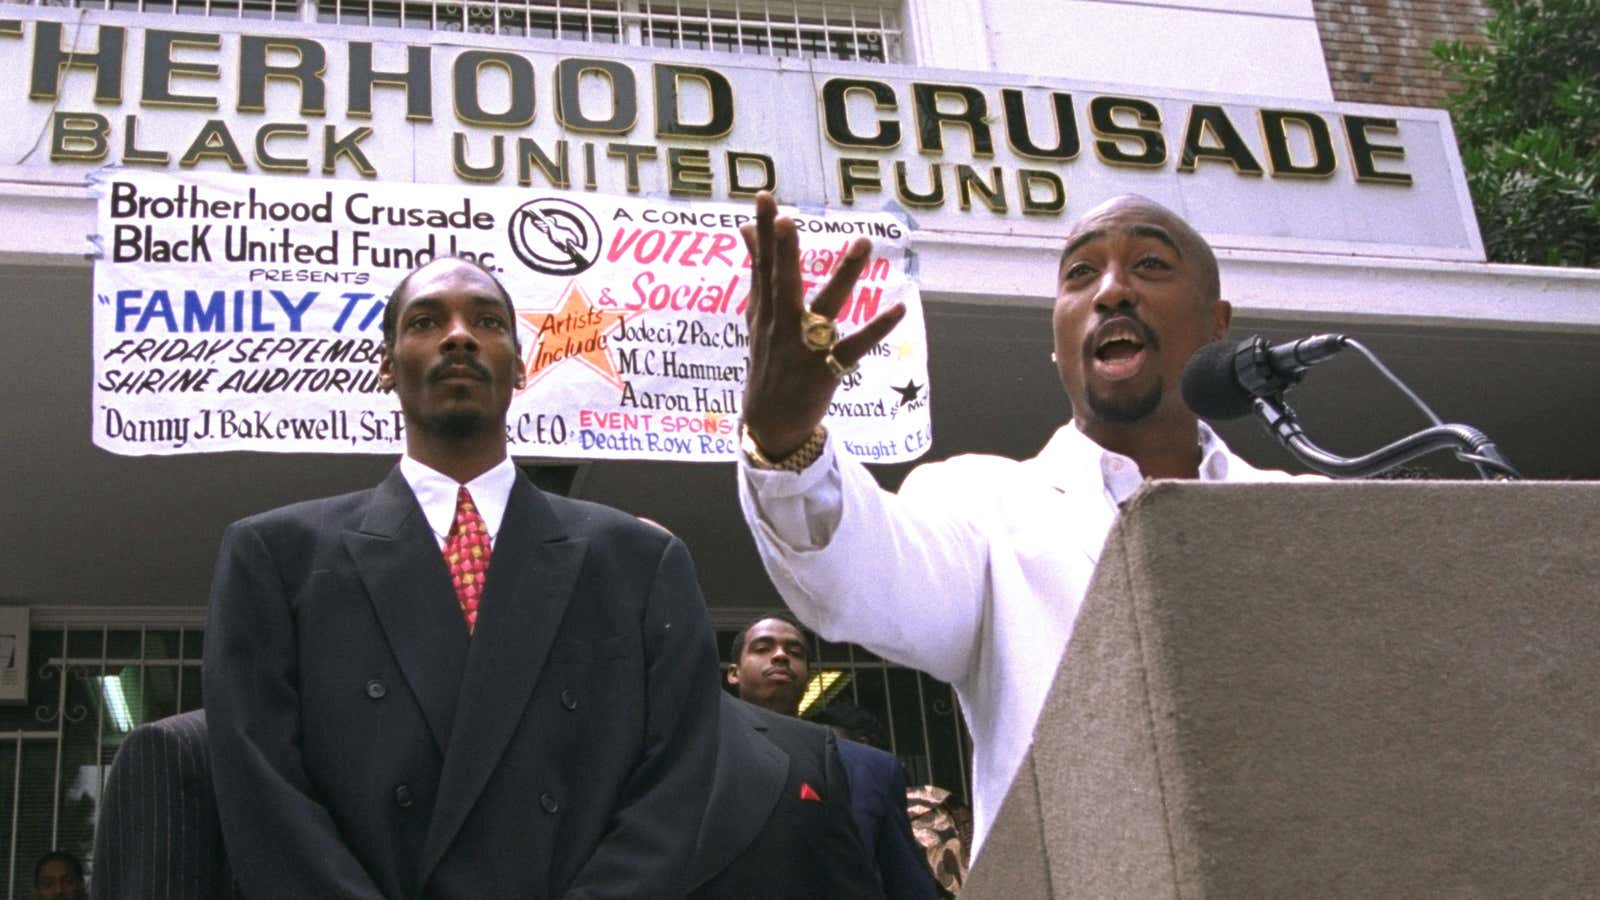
(466, 552)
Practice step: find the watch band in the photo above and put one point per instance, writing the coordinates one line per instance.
(795, 461)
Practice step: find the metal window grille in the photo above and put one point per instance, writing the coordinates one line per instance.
(862, 32)
(853, 30)
(597, 21)
(87, 688)
(287, 10)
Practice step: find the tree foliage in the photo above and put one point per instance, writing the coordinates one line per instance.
(1527, 119)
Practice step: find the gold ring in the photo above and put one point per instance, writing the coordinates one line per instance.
(818, 331)
(839, 369)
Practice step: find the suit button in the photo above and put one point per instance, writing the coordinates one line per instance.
(402, 796)
(548, 803)
(569, 699)
(376, 689)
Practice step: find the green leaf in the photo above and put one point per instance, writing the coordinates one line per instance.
(1527, 118)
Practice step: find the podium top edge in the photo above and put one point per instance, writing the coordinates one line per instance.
(1162, 491)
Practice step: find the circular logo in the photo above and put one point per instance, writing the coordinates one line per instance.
(554, 236)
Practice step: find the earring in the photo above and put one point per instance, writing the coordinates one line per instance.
(1052, 357)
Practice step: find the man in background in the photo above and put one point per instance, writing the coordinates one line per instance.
(878, 799)
(778, 823)
(58, 875)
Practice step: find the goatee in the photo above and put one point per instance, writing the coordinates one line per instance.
(456, 424)
(1125, 410)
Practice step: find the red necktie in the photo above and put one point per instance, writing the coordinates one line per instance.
(466, 552)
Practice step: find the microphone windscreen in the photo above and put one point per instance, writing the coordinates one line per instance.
(1211, 388)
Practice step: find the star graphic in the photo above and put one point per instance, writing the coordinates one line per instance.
(575, 329)
(909, 392)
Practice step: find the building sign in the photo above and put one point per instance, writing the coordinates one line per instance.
(246, 313)
(963, 152)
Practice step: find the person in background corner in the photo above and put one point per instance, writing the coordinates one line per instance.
(778, 823)
(58, 875)
(878, 799)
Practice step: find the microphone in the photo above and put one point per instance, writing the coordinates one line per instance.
(1223, 379)
(1226, 380)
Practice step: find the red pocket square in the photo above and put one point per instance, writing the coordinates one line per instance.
(808, 793)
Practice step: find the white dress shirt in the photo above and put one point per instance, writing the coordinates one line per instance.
(436, 493)
(973, 572)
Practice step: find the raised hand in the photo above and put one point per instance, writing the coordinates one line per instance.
(793, 373)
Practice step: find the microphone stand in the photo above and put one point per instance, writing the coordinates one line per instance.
(1470, 444)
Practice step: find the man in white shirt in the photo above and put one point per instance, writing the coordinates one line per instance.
(975, 571)
(454, 685)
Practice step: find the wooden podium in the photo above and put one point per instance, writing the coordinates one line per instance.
(1359, 689)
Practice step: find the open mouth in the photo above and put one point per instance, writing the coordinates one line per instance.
(1119, 347)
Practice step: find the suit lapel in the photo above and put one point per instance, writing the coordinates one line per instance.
(1063, 463)
(1095, 518)
(751, 774)
(530, 581)
(398, 561)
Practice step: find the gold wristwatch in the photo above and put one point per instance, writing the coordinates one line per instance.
(797, 460)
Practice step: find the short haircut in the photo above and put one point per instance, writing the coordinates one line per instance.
(1204, 259)
(391, 308)
(736, 646)
(57, 856)
(859, 724)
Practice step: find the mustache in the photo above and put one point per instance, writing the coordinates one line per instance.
(464, 360)
(1146, 333)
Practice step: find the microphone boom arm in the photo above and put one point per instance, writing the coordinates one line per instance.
(1471, 445)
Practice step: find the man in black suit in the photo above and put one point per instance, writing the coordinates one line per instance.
(778, 823)
(878, 800)
(530, 718)
(157, 837)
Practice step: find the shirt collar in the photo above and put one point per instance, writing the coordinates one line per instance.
(436, 494)
(1120, 475)
(1213, 455)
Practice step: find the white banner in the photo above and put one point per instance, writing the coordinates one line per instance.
(245, 313)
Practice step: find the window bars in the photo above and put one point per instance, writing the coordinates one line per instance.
(87, 688)
(858, 31)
